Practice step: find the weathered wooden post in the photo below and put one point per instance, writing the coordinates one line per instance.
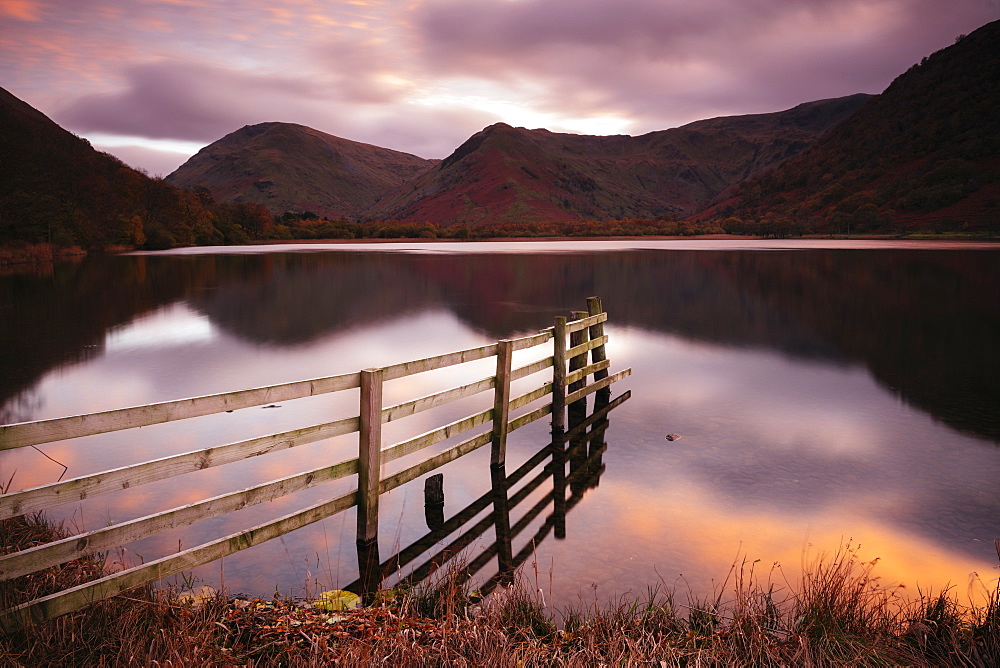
(434, 501)
(559, 377)
(501, 523)
(501, 403)
(577, 409)
(369, 464)
(599, 354)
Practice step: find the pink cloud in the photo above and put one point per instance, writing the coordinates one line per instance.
(172, 100)
(421, 76)
(22, 10)
(657, 61)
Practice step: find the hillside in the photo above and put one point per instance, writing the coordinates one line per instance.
(925, 154)
(509, 175)
(57, 189)
(289, 167)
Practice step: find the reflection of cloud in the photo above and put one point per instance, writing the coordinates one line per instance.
(686, 529)
(174, 326)
(811, 405)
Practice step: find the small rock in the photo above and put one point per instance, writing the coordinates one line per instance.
(673, 437)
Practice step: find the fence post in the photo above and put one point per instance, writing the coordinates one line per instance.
(577, 338)
(369, 449)
(501, 403)
(501, 523)
(559, 376)
(434, 501)
(599, 354)
(558, 464)
(577, 409)
(369, 468)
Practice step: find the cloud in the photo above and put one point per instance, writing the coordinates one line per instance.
(658, 61)
(184, 101)
(153, 161)
(422, 75)
(196, 102)
(22, 10)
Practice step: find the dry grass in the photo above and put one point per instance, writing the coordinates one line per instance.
(25, 253)
(838, 614)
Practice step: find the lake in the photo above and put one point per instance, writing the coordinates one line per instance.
(825, 392)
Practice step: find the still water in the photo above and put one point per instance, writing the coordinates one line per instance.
(824, 392)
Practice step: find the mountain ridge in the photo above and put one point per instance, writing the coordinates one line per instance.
(507, 174)
(924, 153)
(504, 174)
(292, 167)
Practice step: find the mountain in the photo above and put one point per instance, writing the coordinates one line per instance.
(57, 189)
(508, 175)
(289, 167)
(925, 154)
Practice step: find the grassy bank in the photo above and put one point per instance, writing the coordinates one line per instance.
(24, 253)
(837, 614)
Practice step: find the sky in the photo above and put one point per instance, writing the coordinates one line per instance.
(153, 81)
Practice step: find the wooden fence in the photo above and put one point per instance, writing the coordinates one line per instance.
(582, 447)
(573, 340)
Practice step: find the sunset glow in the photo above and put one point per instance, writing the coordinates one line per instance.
(153, 81)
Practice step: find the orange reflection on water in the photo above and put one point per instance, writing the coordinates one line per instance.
(715, 535)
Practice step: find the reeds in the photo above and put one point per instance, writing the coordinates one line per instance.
(25, 253)
(837, 614)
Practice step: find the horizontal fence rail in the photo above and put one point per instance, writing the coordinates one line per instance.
(573, 342)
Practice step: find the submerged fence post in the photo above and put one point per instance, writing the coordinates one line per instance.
(369, 468)
(559, 376)
(501, 403)
(501, 523)
(434, 501)
(599, 354)
(558, 464)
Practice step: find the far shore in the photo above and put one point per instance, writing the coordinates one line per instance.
(42, 253)
(693, 237)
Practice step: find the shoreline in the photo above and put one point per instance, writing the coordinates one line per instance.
(838, 613)
(21, 254)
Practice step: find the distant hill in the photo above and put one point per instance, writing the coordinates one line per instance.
(289, 167)
(507, 175)
(55, 188)
(925, 154)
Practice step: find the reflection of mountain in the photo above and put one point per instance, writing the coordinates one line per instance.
(924, 323)
(61, 317)
(582, 447)
(296, 298)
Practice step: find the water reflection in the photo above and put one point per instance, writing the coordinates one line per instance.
(821, 395)
(171, 327)
(583, 446)
(923, 322)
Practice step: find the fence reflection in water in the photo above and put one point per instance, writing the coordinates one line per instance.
(582, 447)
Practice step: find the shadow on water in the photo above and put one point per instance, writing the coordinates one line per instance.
(582, 447)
